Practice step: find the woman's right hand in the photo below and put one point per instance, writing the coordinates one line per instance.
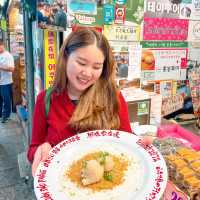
(41, 154)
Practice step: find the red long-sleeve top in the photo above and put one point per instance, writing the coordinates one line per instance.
(55, 128)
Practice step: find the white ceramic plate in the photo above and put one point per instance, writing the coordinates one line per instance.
(148, 181)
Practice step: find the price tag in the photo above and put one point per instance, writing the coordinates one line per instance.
(173, 193)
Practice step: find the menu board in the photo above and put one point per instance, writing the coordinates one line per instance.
(163, 60)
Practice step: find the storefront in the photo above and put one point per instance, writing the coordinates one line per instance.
(156, 46)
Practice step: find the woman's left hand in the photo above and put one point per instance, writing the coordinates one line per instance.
(147, 140)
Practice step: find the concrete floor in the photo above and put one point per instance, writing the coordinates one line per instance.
(12, 185)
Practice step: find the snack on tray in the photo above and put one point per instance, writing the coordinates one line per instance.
(196, 166)
(192, 183)
(184, 171)
(184, 151)
(178, 163)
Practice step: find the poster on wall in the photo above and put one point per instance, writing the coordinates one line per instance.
(165, 29)
(163, 60)
(120, 14)
(122, 61)
(164, 88)
(194, 31)
(50, 57)
(189, 9)
(186, 10)
(58, 15)
(122, 33)
(195, 15)
(52, 14)
(135, 52)
(127, 57)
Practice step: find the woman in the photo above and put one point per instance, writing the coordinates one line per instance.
(84, 95)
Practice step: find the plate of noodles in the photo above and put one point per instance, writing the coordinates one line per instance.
(101, 164)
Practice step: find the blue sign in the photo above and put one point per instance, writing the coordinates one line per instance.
(108, 13)
(82, 7)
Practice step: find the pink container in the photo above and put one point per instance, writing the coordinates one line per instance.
(176, 131)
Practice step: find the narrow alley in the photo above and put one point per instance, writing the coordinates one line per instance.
(12, 185)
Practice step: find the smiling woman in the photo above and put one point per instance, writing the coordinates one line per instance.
(84, 67)
(84, 95)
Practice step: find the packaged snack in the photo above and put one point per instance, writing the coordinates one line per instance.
(184, 151)
(185, 172)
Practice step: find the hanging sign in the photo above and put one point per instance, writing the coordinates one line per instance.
(163, 60)
(120, 15)
(108, 13)
(50, 56)
(160, 8)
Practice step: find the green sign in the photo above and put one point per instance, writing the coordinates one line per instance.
(3, 25)
(143, 108)
(164, 44)
(105, 13)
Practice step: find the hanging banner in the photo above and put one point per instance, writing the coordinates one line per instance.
(165, 29)
(50, 56)
(122, 33)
